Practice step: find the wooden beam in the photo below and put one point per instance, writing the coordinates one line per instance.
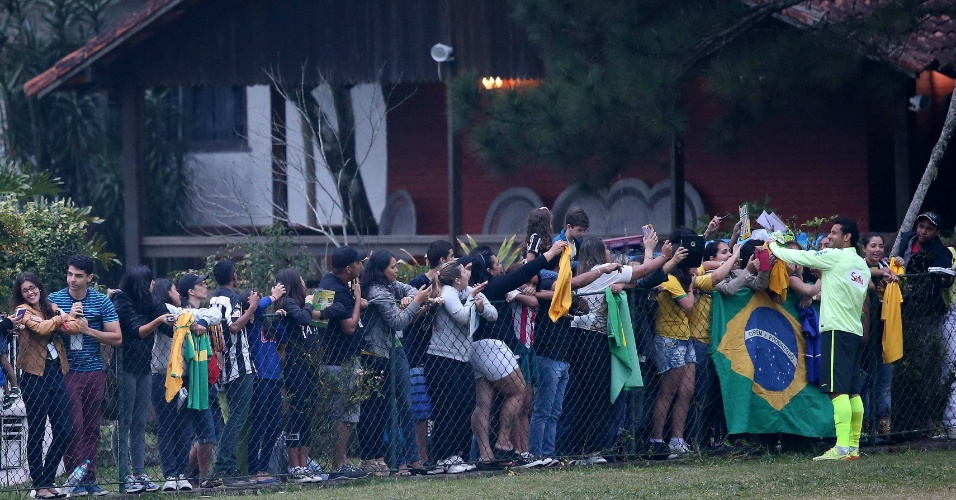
(677, 182)
(901, 152)
(280, 186)
(132, 105)
(454, 170)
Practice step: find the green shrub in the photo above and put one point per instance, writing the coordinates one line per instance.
(41, 236)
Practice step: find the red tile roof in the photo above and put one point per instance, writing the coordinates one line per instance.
(931, 46)
(71, 64)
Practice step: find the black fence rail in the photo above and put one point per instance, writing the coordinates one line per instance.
(470, 383)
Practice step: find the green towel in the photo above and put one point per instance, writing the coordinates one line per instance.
(625, 366)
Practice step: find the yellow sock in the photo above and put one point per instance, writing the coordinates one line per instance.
(856, 420)
(842, 415)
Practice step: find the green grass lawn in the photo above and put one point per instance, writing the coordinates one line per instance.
(909, 474)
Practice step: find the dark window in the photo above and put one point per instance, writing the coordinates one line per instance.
(214, 118)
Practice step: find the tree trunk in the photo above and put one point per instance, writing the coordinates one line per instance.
(939, 151)
(339, 153)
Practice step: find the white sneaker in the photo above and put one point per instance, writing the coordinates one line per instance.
(170, 484)
(681, 447)
(133, 485)
(182, 484)
(148, 485)
(459, 468)
(452, 460)
(301, 475)
(596, 460)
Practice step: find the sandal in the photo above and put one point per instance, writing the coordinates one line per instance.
(210, 483)
(403, 471)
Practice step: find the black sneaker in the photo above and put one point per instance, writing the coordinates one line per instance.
(658, 450)
(347, 471)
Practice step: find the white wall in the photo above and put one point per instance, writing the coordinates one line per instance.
(234, 189)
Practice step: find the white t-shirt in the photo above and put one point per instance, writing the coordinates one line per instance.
(596, 319)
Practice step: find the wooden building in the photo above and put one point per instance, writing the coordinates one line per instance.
(877, 148)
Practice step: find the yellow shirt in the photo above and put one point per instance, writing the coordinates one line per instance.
(671, 320)
(700, 315)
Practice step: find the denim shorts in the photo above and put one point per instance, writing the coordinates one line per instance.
(672, 353)
(204, 426)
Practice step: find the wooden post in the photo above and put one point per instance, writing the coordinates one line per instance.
(677, 181)
(133, 120)
(901, 154)
(454, 168)
(280, 186)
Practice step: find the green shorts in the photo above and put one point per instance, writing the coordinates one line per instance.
(840, 354)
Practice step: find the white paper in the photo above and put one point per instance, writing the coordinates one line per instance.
(771, 222)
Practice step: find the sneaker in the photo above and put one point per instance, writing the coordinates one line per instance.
(657, 450)
(596, 460)
(947, 433)
(459, 468)
(530, 461)
(170, 484)
(78, 491)
(95, 490)
(132, 484)
(347, 471)
(15, 393)
(299, 475)
(148, 485)
(835, 453)
(433, 469)
(680, 447)
(854, 453)
(316, 471)
(505, 455)
(182, 484)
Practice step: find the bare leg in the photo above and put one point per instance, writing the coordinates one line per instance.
(521, 433)
(685, 391)
(204, 456)
(421, 436)
(669, 383)
(344, 431)
(512, 388)
(484, 394)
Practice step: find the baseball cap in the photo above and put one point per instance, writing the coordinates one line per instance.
(187, 281)
(932, 217)
(343, 256)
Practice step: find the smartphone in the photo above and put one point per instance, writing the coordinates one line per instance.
(647, 230)
(21, 313)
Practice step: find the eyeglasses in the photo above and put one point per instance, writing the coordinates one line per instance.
(29, 289)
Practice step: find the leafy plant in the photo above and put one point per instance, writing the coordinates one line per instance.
(507, 254)
(263, 256)
(41, 236)
(17, 181)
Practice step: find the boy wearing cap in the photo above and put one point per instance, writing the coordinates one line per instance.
(86, 380)
(341, 345)
(924, 239)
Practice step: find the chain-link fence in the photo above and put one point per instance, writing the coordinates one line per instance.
(422, 386)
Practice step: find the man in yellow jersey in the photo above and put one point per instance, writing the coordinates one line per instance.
(844, 281)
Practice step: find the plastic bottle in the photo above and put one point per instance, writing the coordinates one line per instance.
(78, 474)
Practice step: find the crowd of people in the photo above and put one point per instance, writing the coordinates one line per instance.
(477, 366)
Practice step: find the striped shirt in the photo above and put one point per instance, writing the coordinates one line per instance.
(235, 355)
(83, 351)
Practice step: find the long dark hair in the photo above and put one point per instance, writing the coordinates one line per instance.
(481, 263)
(135, 284)
(291, 279)
(540, 222)
(593, 252)
(46, 307)
(374, 272)
(161, 288)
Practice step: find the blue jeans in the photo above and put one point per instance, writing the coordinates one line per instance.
(45, 398)
(239, 396)
(265, 423)
(879, 396)
(173, 429)
(408, 449)
(548, 404)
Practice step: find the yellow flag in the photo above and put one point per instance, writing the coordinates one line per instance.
(561, 301)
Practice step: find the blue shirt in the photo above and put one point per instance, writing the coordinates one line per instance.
(574, 244)
(83, 351)
(264, 344)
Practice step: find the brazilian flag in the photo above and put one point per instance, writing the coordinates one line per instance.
(758, 349)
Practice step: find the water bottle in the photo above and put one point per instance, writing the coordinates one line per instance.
(78, 474)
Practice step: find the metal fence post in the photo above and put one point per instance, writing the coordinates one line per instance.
(393, 404)
(123, 438)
